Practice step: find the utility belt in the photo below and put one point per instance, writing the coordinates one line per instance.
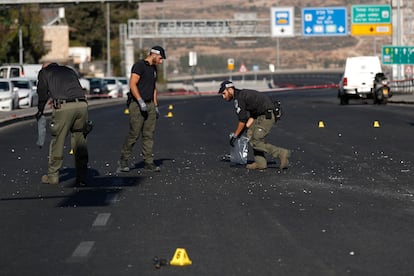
(58, 102)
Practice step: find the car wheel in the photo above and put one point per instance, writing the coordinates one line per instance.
(343, 100)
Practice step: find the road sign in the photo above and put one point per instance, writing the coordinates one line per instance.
(398, 54)
(371, 29)
(230, 64)
(371, 20)
(325, 21)
(366, 14)
(282, 23)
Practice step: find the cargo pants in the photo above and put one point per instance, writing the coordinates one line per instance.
(71, 116)
(140, 125)
(257, 133)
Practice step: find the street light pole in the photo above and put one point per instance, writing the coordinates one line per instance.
(108, 41)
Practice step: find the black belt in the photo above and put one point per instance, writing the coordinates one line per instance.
(149, 101)
(73, 100)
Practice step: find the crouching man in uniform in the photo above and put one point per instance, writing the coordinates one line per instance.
(255, 112)
(70, 114)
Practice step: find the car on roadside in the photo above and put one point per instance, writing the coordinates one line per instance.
(27, 91)
(358, 79)
(114, 87)
(125, 85)
(9, 97)
(97, 88)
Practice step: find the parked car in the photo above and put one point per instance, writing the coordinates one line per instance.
(20, 70)
(9, 98)
(97, 87)
(27, 91)
(114, 87)
(125, 85)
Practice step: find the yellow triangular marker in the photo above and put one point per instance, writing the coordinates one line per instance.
(376, 124)
(180, 258)
(169, 115)
(126, 111)
(71, 151)
(321, 124)
(170, 107)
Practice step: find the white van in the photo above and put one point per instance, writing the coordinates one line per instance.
(358, 79)
(18, 71)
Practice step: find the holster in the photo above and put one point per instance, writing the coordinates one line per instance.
(87, 128)
(277, 110)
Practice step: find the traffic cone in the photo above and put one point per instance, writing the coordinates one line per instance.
(126, 111)
(169, 115)
(376, 124)
(170, 107)
(180, 258)
(321, 124)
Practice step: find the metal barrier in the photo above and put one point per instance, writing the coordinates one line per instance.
(404, 87)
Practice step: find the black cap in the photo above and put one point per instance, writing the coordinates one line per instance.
(225, 84)
(159, 51)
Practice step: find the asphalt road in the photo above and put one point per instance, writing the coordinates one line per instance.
(344, 207)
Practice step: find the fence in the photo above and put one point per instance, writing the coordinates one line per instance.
(402, 86)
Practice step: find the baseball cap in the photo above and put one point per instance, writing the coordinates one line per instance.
(225, 84)
(159, 51)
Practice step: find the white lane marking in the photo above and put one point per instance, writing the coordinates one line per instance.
(83, 249)
(101, 220)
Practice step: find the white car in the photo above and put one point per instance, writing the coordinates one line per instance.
(125, 85)
(9, 98)
(114, 87)
(27, 91)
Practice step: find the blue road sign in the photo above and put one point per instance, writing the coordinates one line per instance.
(325, 21)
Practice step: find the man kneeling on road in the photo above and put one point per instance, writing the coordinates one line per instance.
(255, 112)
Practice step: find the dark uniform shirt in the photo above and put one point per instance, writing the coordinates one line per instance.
(251, 103)
(58, 82)
(148, 78)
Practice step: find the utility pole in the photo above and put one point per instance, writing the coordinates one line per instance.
(108, 41)
(21, 49)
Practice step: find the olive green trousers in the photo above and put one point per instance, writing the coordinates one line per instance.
(257, 133)
(71, 117)
(140, 125)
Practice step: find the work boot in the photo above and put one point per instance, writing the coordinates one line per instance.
(122, 167)
(46, 180)
(151, 167)
(255, 166)
(284, 161)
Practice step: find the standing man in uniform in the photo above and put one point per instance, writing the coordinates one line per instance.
(70, 114)
(255, 112)
(143, 109)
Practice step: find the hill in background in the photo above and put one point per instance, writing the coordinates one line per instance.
(295, 52)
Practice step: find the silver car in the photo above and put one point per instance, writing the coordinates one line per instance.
(27, 91)
(9, 98)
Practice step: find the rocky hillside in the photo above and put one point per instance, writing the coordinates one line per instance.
(295, 52)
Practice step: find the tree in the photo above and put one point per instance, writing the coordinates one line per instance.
(88, 27)
(28, 18)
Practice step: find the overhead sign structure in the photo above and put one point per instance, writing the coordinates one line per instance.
(324, 21)
(371, 20)
(398, 54)
(19, 2)
(282, 21)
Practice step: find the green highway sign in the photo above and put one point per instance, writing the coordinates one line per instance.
(369, 14)
(398, 54)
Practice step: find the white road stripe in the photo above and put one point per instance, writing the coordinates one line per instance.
(101, 220)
